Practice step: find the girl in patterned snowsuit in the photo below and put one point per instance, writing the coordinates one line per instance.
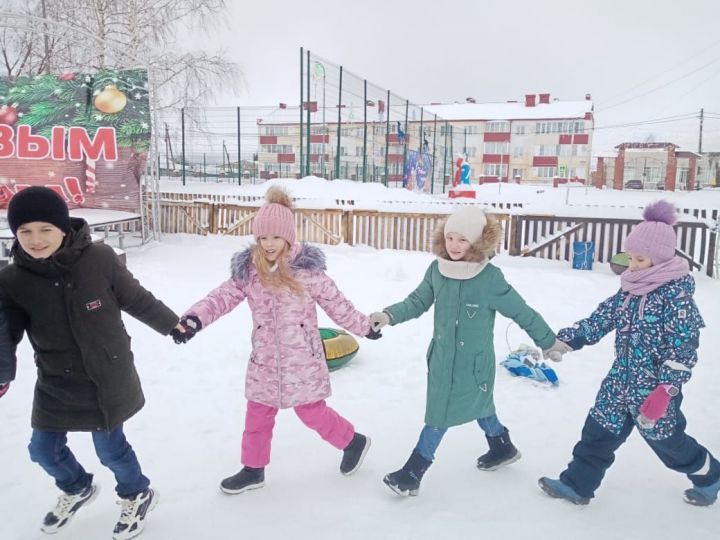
(657, 327)
(282, 282)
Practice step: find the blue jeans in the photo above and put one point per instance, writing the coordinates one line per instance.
(49, 450)
(430, 437)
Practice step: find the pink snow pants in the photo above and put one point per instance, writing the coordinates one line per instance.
(260, 420)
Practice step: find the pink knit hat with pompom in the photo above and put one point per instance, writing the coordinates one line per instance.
(275, 217)
(654, 237)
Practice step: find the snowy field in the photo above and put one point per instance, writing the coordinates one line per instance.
(188, 435)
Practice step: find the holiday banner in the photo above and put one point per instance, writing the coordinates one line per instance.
(417, 168)
(86, 136)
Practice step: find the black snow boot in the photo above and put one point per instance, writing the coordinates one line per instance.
(502, 452)
(406, 481)
(354, 453)
(248, 478)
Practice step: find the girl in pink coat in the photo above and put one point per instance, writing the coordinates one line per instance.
(282, 282)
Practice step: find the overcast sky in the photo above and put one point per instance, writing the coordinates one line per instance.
(640, 59)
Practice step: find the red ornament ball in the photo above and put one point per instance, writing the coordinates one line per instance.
(8, 115)
(67, 77)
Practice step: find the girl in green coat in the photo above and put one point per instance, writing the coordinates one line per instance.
(467, 291)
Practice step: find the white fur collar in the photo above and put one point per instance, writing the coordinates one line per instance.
(460, 269)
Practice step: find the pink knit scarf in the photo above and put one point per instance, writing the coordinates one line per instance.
(642, 282)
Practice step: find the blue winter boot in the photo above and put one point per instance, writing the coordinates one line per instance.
(559, 490)
(702, 496)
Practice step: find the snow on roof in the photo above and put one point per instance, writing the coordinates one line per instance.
(511, 111)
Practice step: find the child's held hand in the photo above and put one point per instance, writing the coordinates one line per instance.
(373, 334)
(4, 388)
(556, 352)
(186, 329)
(379, 319)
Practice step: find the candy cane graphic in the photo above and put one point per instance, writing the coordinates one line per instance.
(90, 180)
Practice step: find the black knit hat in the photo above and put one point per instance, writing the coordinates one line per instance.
(38, 203)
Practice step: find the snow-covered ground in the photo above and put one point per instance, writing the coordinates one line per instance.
(188, 435)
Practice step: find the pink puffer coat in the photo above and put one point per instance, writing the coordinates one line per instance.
(287, 366)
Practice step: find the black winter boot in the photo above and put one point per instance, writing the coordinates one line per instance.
(248, 478)
(354, 453)
(406, 481)
(502, 452)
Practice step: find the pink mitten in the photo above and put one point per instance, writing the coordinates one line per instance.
(4, 388)
(656, 404)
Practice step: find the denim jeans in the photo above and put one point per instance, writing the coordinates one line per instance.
(49, 450)
(430, 437)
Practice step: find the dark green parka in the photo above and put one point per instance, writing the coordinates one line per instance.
(461, 354)
(70, 306)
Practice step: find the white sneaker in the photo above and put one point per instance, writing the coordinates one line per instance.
(66, 508)
(133, 514)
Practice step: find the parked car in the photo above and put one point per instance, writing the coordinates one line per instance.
(634, 184)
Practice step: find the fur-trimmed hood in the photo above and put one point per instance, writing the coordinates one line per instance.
(302, 256)
(480, 251)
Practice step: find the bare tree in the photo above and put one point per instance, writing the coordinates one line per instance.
(96, 34)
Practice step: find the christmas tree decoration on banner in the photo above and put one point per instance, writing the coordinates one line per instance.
(85, 135)
(111, 100)
(8, 114)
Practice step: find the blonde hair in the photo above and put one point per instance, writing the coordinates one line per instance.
(282, 277)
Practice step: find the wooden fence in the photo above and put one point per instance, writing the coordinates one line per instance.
(552, 237)
(544, 236)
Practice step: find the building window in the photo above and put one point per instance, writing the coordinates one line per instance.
(560, 127)
(519, 129)
(276, 148)
(471, 151)
(518, 151)
(496, 148)
(317, 148)
(494, 169)
(517, 173)
(497, 127)
(545, 172)
(547, 149)
(358, 151)
(275, 130)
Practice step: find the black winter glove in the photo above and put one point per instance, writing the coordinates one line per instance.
(191, 326)
(373, 334)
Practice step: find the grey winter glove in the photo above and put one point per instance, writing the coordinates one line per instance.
(555, 353)
(379, 319)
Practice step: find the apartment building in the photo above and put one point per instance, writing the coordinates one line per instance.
(535, 140)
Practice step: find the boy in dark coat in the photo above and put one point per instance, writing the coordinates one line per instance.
(67, 294)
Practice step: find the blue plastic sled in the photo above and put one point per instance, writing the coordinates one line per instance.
(525, 362)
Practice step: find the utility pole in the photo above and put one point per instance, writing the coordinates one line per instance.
(702, 114)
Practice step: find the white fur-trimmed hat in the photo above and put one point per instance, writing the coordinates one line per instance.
(468, 221)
